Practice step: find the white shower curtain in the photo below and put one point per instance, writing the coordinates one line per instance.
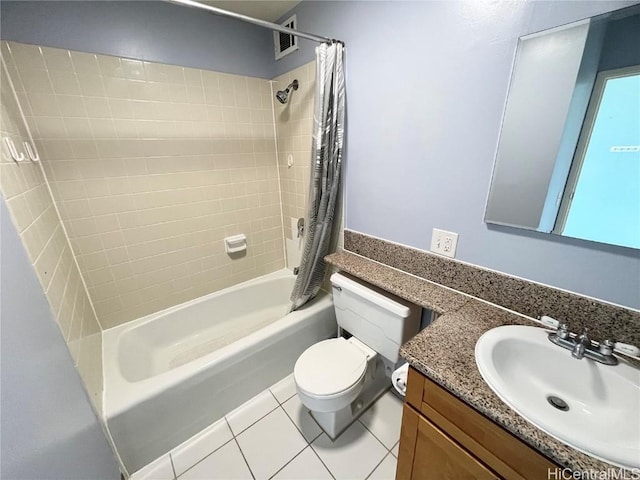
(328, 139)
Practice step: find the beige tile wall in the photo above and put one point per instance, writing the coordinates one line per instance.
(294, 127)
(32, 210)
(152, 166)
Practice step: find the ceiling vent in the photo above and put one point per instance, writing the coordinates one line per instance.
(284, 43)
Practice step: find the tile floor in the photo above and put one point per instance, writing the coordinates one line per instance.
(272, 436)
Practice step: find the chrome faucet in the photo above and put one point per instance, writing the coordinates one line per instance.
(581, 345)
(582, 342)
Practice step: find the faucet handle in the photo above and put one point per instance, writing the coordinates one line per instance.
(563, 331)
(606, 347)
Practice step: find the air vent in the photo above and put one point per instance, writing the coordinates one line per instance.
(284, 43)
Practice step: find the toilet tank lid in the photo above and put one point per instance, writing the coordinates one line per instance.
(338, 280)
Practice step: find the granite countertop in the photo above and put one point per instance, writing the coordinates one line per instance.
(444, 351)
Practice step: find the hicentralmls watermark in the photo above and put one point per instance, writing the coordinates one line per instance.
(608, 474)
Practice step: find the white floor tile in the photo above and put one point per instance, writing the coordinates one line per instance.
(201, 445)
(301, 417)
(159, 469)
(284, 389)
(386, 470)
(394, 450)
(306, 466)
(353, 455)
(252, 411)
(270, 444)
(224, 464)
(384, 418)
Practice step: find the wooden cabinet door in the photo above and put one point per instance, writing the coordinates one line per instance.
(434, 455)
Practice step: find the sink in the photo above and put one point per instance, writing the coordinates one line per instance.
(589, 406)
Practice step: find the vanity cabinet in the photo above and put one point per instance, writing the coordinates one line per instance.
(443, 438)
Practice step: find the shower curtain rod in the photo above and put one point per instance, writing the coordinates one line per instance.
(255, 21)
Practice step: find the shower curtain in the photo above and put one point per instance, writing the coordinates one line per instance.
(326, 155)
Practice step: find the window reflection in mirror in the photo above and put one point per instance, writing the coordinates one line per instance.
(601, 201)
(568, 159)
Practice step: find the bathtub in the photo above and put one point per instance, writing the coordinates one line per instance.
(171, 374)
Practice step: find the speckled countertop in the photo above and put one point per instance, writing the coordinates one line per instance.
(444, 351)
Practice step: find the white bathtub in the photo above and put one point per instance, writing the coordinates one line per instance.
(169, 375)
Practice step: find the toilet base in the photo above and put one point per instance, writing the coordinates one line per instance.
(334, 423)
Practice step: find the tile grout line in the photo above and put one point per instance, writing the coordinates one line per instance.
(248, 427)
(320, 458)
(374, 436)
(173, 468)
(244, 430)
(275, 141)
(202, 459)
(49, 240)
(280, 405)
(291, 460)
(241, 452)
(294, 423)
(394, 446)
(233, 437)
(308, 442)
(389, 452)
(376, 467)
(274, 395)
(300, 430)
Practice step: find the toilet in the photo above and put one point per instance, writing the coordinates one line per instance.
(337, 379)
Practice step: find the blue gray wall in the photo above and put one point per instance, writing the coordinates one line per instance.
(47, 429)
(145, 30)
(426, 88)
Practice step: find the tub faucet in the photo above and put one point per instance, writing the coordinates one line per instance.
(582, 343)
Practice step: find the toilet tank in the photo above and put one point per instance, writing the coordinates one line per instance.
(381, 321)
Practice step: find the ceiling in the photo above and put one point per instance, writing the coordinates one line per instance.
(269, 10)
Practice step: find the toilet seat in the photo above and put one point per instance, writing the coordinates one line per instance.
(330, 369)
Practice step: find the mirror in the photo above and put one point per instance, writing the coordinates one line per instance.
(568, 158)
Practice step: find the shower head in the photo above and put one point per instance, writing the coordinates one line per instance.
(283, 95)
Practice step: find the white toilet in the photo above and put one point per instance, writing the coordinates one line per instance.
(337, 379)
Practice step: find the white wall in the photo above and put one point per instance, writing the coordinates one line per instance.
(426, 88)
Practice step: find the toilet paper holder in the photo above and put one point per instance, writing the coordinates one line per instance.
(399, 379)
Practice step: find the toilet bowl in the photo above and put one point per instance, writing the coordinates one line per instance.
(330, 374)
(339, 378)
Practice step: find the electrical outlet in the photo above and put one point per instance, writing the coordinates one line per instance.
(444, 243)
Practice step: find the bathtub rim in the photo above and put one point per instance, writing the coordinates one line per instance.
(120, 395)
(282, 273)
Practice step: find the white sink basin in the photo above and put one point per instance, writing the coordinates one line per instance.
(603, 418)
